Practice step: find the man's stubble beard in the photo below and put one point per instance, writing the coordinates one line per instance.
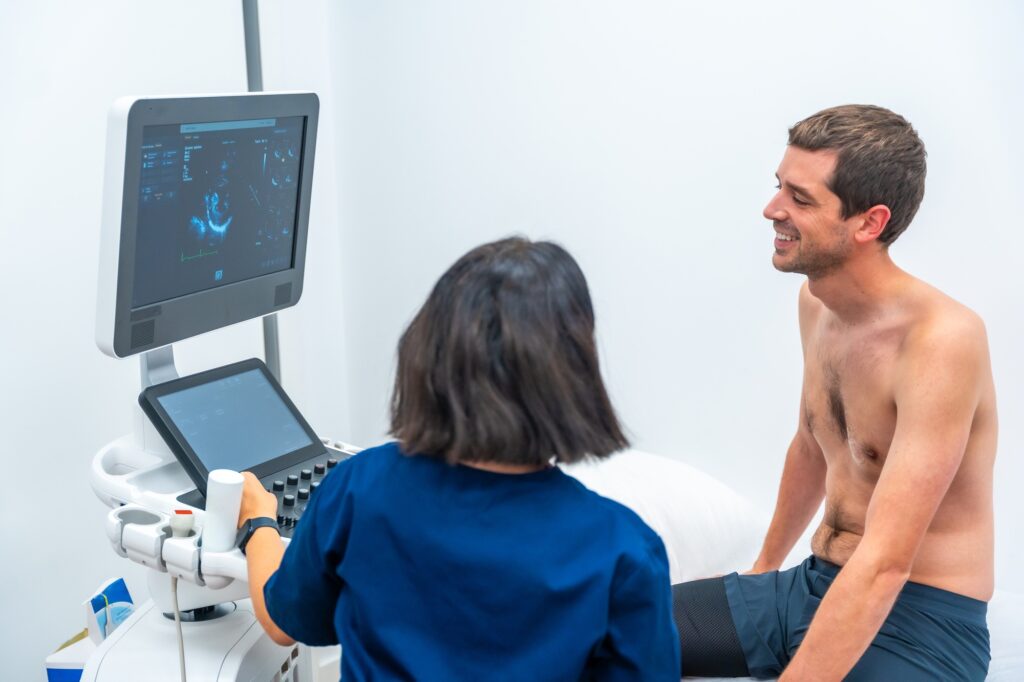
(817, 261)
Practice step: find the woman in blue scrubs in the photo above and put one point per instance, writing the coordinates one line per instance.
(460, 551)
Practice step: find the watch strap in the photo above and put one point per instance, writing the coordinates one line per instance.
(251, 526)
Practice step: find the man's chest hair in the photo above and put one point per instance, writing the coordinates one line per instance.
(849, 393)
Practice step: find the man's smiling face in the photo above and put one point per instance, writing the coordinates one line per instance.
(811, 236)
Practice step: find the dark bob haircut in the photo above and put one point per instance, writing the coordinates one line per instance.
(500, 363)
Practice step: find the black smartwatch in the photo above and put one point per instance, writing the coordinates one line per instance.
(250, 526)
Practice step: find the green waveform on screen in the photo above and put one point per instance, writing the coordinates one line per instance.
(201, 254)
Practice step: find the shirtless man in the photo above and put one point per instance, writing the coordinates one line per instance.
(897, 432)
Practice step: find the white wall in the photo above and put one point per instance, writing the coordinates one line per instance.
(644, 136)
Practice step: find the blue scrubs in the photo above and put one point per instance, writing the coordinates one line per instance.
(930, 634)
(423, 570)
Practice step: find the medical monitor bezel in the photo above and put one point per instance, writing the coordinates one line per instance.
(183, 451)
(122, 330)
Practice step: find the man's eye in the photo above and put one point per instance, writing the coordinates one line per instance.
(800, 201)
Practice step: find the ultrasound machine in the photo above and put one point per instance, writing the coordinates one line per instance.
(204, 225)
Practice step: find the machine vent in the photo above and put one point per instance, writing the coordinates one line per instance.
(282, 294)
(143, 334)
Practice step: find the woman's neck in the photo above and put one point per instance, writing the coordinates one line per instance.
(499, 468)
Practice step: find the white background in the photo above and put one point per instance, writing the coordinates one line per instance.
(642, 135)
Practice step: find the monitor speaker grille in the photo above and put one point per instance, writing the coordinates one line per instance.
(143, 334)
(282, 294)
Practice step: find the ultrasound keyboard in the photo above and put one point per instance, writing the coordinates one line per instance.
(294, 487)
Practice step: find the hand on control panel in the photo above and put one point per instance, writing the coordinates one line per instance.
(256, 501)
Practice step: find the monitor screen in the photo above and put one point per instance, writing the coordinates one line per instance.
(235, 422)
(217, 204)
(206, 208)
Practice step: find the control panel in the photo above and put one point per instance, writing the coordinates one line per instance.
(295, 487)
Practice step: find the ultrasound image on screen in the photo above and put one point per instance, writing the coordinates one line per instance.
(217, 204)
(236, 423)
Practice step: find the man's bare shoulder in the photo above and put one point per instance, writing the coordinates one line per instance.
(939, 317)
(943, 330)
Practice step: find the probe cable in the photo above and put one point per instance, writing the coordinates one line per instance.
(177, 622)
(181, 527)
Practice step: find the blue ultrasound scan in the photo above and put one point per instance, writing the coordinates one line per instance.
(217, 204)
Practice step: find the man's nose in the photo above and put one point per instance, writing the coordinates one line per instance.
(773, 210)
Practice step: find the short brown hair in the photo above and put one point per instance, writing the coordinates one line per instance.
(881, 160)
(500, 363)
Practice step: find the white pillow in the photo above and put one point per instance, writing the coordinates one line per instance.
(1006, 628)
(708, 529)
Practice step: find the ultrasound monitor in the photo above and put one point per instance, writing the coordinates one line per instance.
(205, 214)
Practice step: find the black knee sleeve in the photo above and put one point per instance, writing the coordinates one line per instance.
(707, 635)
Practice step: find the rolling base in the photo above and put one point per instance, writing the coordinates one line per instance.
(230, 648)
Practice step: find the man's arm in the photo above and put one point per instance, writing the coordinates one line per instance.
(937, 390)
(800, 493)
(803, 476)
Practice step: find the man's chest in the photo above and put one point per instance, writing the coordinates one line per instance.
(849, 403)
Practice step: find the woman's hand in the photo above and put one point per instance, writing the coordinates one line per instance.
(263, 553)
(256, 501)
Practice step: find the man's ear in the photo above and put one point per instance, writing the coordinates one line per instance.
(873, 222)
